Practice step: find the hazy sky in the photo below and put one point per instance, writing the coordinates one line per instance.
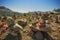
(30, 5)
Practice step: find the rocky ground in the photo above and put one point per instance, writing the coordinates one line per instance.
(55, 34)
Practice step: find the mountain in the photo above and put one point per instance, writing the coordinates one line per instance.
(7, 12)
(56, 10)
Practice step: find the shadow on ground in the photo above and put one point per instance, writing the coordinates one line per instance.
(11, 37)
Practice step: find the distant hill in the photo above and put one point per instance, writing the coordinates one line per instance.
(57, 10)
(7, 12)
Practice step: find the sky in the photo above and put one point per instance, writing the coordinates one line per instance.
(30, 5)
